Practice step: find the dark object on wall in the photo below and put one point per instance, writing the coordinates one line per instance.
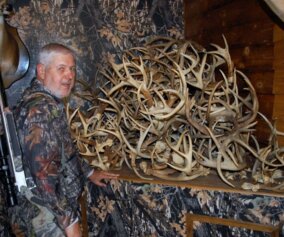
(13, 53)
(277, 7)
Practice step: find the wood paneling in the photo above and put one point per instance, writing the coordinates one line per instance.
(260, 34)
(260, 80)
(256, 43)
(225, 17)
(278, 62)
(278, 33)
(278, 82)
(252, 57)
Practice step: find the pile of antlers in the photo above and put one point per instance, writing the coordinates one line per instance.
(174, 110)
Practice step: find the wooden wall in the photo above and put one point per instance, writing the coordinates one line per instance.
(256, 41)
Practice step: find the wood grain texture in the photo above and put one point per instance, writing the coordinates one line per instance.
(256, 44)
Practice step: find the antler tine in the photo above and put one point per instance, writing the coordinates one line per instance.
(187, 155)
(255, 105)
(224, 52)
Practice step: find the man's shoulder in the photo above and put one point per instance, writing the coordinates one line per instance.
(37, 104)
(36, 95)
(38, 99)
(39, 108)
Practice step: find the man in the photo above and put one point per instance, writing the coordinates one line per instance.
(56, 173)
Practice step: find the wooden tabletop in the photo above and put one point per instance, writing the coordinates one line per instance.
(209, 182)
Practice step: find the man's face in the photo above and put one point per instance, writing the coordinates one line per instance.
(59, 75)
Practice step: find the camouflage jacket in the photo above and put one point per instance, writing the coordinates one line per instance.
(49, 155)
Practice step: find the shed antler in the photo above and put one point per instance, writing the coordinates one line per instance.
(174, 110)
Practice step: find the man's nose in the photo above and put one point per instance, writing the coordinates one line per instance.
(70, 73)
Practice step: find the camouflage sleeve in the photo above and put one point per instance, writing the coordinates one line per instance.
(42, 150)
(84, 165)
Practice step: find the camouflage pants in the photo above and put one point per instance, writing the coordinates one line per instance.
(31, 220)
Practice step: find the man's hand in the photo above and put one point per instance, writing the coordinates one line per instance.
(98, 176)
(73, 230)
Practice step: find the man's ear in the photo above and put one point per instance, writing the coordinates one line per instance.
(40, 70)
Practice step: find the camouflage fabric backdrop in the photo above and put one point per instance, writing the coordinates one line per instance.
(97, 30)
(142, 209)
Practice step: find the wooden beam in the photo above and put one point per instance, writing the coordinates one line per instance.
(190, 218)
